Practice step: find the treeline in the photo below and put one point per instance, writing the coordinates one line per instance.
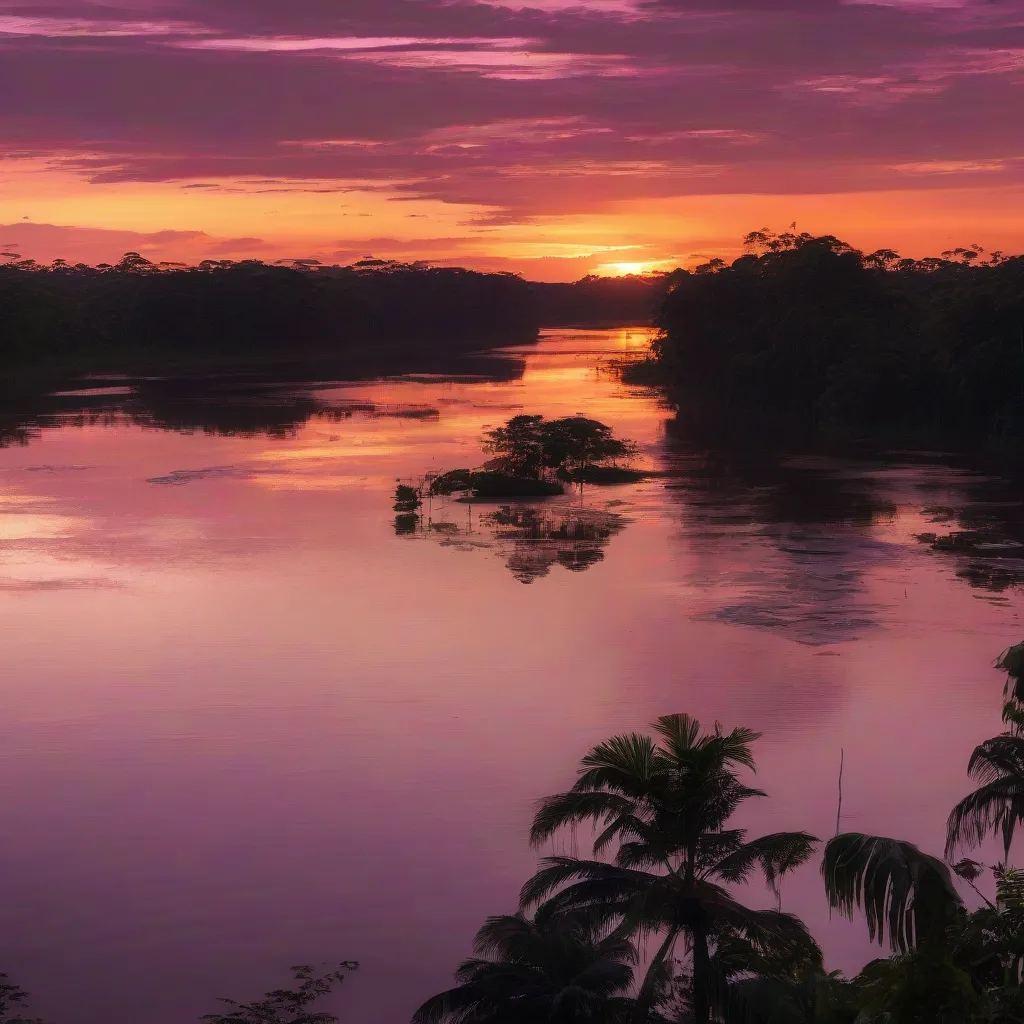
(594, 300)
(137, 313)
(808, 332)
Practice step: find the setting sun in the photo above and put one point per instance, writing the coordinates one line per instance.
(631, 269)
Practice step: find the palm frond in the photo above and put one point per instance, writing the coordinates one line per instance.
(448, 1007)
(714, 846)
(625, 827)
(904, 893)
(561, 871)
(1013, 715)
(997, 758)
(626, 764)
(554, 968)
(775, 854)
(572, 808)
(782, 941)
(683, 742)
(996, 807)
(679, 733)
(640, 855)
(508, 936)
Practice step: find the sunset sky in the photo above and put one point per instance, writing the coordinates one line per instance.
(548, 137)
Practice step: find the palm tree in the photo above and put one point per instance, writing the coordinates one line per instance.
(666, 805)
(997, 805)
(554, 969)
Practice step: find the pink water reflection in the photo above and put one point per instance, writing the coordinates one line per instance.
(245, 725)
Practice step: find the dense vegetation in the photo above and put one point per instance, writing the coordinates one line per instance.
(807, 332)
(294, 1005)
(654, 928)
(137, 313)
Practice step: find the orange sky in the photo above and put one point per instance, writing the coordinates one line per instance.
(545, 137)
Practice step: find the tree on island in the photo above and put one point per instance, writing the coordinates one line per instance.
(529, 446)
(531, 455)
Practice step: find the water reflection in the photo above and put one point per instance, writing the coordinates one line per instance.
(810, 531)
(229, 684)
(274, 402)
(984, 533)
(531, 539)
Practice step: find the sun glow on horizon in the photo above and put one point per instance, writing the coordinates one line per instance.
(637, 268)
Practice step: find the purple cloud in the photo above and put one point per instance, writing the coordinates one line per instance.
(528, 107)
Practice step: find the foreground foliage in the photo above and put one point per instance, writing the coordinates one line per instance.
(554, 968)
(666, 855)
(665, 805)
(650, 929)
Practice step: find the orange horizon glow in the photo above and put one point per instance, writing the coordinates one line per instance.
(71, 219)
(542, 137)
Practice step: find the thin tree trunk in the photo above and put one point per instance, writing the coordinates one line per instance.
(645, 997)
(701, 978)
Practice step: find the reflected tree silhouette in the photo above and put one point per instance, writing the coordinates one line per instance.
(533, 540)
(274, 401)
(795, 537)
(800, 534)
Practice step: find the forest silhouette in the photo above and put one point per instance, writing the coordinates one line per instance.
(802, 332)
(807, 332)
(137, 314)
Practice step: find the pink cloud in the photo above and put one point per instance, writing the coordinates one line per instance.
(524, 109)
(290, 44)
(86, 28)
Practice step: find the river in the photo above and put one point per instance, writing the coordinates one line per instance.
(248, 722)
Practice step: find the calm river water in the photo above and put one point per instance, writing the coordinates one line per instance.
(248, 722)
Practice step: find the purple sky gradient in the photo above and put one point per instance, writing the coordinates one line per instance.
(513, 111)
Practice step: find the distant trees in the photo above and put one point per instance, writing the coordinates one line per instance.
(807, 332)
(138, 312)
(595, 300)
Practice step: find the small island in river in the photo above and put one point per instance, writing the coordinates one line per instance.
(532, 458)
